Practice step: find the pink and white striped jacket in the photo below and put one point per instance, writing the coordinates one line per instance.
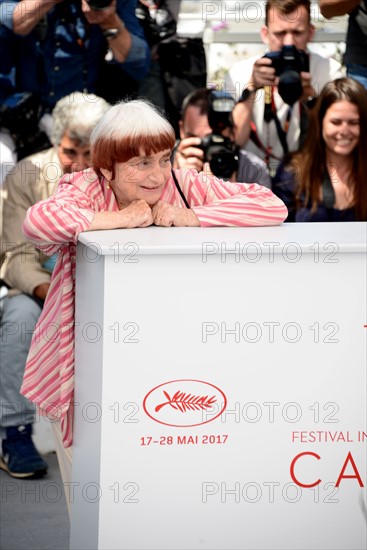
(53, 225)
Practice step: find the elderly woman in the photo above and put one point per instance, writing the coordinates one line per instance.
(131, 185)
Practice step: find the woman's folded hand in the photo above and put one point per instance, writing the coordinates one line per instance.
(165, 215)
(137, 214)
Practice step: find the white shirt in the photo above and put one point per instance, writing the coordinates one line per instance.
(240, 75)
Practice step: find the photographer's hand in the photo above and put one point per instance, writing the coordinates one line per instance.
(107, 19)
(41, 290)
(331, 8)
(308, 89)
(101, 17)
(263, 74)
(188, 155)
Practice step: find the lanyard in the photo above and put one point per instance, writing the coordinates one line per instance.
(270, 113)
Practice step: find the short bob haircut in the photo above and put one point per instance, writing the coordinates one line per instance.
(129, 129)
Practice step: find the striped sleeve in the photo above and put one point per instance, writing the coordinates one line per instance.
(221, 203)
(51, 223)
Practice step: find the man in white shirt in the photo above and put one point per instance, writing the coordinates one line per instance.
(287, 23)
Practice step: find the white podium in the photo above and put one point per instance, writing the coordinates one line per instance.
(221, 389)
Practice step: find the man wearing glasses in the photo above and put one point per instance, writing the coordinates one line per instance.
(26, 272)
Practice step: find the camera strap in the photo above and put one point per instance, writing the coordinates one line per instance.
(179, 189)
(257, 141)
(282, 132)
(270, 113)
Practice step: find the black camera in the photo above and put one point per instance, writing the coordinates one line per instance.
(158, 23)
(288, 63)
(99, 4)
(221, 152)
(20, 113)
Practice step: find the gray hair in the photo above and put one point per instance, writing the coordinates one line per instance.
(129, 129)
(77, 114)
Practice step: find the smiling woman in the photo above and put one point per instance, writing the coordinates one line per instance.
(142, 177)
(131, 185)
(326, 179)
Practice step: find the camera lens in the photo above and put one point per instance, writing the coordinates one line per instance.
(290, 87)
(222, 162)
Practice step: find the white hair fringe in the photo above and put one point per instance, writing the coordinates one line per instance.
(131, 118)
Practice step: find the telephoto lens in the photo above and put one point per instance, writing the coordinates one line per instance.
(99, 4)
(290, 87)
(288, 63)
(220, 151)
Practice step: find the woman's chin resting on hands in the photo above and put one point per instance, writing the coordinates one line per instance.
(131, 184)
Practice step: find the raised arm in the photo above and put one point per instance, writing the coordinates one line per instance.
(242, 116)
(27, 13)
(107, 19)
(263, 74)
(331, 8)
(129, 45)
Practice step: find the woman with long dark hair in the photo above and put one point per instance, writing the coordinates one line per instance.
(326, 180)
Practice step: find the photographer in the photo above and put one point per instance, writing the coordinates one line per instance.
(206, 116)
(73, 38)
(26, 271)
(267, 122)
(64, 46)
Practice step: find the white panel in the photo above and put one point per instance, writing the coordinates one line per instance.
(283, 338)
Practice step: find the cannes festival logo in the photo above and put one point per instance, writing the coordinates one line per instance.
(184, 403)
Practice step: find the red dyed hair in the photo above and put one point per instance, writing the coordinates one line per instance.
(129, 129)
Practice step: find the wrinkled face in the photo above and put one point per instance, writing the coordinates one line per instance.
(141, 177)
(194, 124)
(73, 157)
(292, 29)
(340, 128)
